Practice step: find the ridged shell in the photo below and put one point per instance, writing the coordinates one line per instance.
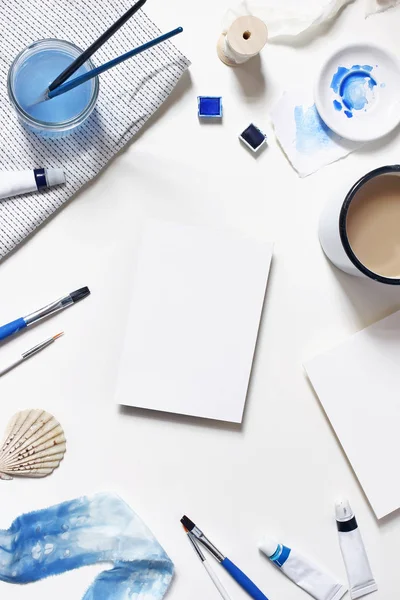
(34, 445)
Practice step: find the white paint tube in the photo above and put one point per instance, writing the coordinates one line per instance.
(359, 574)
(302, 572)
(14, 183)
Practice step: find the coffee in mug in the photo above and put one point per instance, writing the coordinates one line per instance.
(360, 234)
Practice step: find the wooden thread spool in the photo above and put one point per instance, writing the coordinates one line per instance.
(244, 39)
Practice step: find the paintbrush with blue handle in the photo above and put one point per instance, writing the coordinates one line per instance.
(70, 85)
(228, 565)
(42, 313)
(86, 54)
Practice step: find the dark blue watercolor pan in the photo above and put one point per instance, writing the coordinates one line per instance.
(209, 107)
(253, 137)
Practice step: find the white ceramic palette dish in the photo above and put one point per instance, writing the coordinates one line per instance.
(357, 92)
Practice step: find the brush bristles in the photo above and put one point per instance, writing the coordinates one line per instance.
(42, 98)
(80, 294)
(187, 523)
(58, 335)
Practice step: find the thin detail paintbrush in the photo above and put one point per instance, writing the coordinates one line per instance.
(30, 353)
(207, 567)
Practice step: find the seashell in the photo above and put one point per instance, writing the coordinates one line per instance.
(34, 445)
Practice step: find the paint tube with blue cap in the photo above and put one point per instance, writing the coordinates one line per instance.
(302, 572)
(359, 574)
(14, 183)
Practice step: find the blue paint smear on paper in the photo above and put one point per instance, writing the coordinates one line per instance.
(312, 133)
(84, 532)
(337, 105)
(355, 88)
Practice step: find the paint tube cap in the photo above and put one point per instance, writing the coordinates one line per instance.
(268, 546)
(55, 177)
(343, 510)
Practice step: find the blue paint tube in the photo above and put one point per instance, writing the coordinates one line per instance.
(319, 584)
(359, 574)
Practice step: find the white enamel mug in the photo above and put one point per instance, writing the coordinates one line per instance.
(333, 234)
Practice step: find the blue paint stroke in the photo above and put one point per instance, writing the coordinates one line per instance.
(337, 78)
(337, 105)
(355, 87)
(83, 532)
(312, 134)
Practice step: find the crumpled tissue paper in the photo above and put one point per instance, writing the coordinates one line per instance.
(376, 6)
(286, 18)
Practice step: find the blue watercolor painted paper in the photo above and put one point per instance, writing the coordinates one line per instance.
(82, 532)
(306, 140)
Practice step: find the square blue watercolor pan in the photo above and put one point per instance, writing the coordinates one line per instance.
(209, 107)
(253, 137)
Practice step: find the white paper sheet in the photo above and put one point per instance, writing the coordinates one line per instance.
(196, 306)
(306, 140)
(358, 386)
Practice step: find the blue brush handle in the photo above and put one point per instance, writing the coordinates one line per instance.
(70, 85)
(243, 580)
(11, 328)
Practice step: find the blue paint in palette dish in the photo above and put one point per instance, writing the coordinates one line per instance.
(338, 106)
(355, 88)
(34, 76)
(253, 137)
(209, 107)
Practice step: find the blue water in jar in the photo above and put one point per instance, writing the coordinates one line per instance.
(34, 76)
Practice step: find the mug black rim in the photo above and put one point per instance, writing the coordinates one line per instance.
(342, 223)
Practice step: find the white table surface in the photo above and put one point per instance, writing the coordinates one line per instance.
(279, 473)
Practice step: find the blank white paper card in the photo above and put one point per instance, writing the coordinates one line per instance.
(197, 300)
(358, 385)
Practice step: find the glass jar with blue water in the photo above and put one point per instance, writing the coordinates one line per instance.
(30, 75)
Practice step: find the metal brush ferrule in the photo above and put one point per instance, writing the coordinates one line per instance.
(198, 534)
(48, 310)
(37, 348)
(195, 545)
